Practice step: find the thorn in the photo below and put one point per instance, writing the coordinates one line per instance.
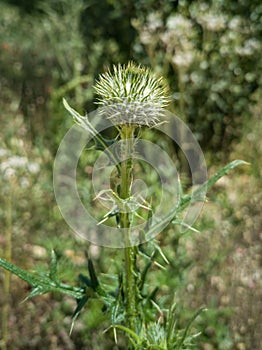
(71, 328)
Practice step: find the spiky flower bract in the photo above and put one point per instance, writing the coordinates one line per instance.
(131, 94)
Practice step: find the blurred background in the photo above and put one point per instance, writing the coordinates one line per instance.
(210, 54)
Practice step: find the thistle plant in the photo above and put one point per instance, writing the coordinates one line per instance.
(130, 97)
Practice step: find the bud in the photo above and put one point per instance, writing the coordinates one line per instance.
(132, 94)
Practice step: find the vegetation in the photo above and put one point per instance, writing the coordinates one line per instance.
(209, 57)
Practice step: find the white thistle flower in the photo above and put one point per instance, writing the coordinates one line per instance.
(132, 94)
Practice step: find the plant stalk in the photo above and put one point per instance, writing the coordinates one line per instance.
(127, 136)
(8, 254)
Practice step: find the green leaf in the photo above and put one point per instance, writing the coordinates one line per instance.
(85, 280)
(160, 251)
(24, 275)
(158, 225)
(80, 304)
(171, 323)
(92, 275)
(198, 195)
(143, 275)
(128, 331)
(189, 325)
(41, 283)
(100, 142)
(36, 291)
(180, 222)
(53, 267)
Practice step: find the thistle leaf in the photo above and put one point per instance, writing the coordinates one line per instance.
(53, 267)
(80, 304)
(26, 276)
(198, 195)
(85, 280)
(41, 283)
(189, 324)
(92, 275)
(100, 142)
(36, 291)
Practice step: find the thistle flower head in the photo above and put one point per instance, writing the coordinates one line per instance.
(132, 94)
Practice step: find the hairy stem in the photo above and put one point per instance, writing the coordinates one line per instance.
(127, 136)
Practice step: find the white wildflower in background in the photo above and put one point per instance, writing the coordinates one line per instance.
(179, 40)
(154, 22)
(183, 58)
(14, 162)
(24, 182)
(249, 48)
(213, 22)
(17, 161)
(145, 36)
(33, 167)
(179, 25)
(9, 173)
(178, 31)
(3, 152)
(148, 31)
(132, 94)
(235, 23)
(208, 17)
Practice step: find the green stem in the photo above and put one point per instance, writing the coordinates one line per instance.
(127, 135)
(8, 254)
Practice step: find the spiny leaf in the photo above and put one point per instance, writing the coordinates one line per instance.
(180, 222)
(128, 331)
(84, 123)
(80, 304)
(152, 296)
(85, 280)
(171, 322)
(160, 251)
(53, 267)
(100, 142)
(143, 275)
(36, 291)
(24, 275)
(189, 324)
(41, 284)
(197, 195)
(92, 274)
